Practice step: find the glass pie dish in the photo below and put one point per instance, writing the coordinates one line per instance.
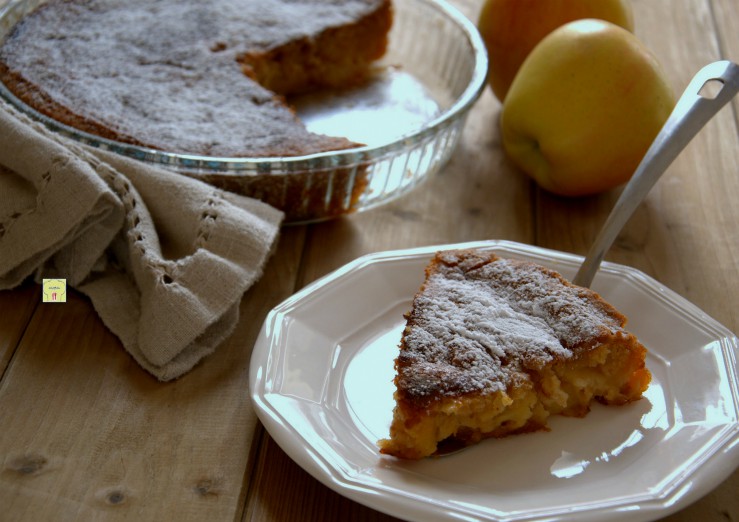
(410, 116)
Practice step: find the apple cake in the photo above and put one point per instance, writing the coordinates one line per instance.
(194, 77)
(494, 346)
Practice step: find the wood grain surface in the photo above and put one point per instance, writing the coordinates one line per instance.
(85, 434)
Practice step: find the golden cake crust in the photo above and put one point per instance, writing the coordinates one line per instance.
(494, 346)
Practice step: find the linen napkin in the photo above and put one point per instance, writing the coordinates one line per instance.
(164, 258)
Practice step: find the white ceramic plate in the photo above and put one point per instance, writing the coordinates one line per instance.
(321, 375)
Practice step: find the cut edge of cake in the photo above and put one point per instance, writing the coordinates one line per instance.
(338, 58)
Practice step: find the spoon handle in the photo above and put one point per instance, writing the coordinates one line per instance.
(691, 113)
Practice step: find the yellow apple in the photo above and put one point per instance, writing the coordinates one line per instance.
(584, 108)
(512, 28)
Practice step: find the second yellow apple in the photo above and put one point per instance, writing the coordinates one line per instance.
(584, 108)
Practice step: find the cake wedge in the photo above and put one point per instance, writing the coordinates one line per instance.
(493, 347)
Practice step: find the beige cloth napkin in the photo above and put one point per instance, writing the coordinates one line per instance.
(165, 259)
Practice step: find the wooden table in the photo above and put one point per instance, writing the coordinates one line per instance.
(85, 434)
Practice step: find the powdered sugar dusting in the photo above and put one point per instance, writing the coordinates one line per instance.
(170, 66)
(481, 322)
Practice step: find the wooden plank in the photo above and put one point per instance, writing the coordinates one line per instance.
(283, 491)
(695, 199)
(89, 435)
(727, 28)
(16, 308)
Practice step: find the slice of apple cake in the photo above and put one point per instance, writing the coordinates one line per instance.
(494, 346)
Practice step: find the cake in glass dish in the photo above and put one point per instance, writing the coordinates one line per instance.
(493, 347)
(192, 77)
